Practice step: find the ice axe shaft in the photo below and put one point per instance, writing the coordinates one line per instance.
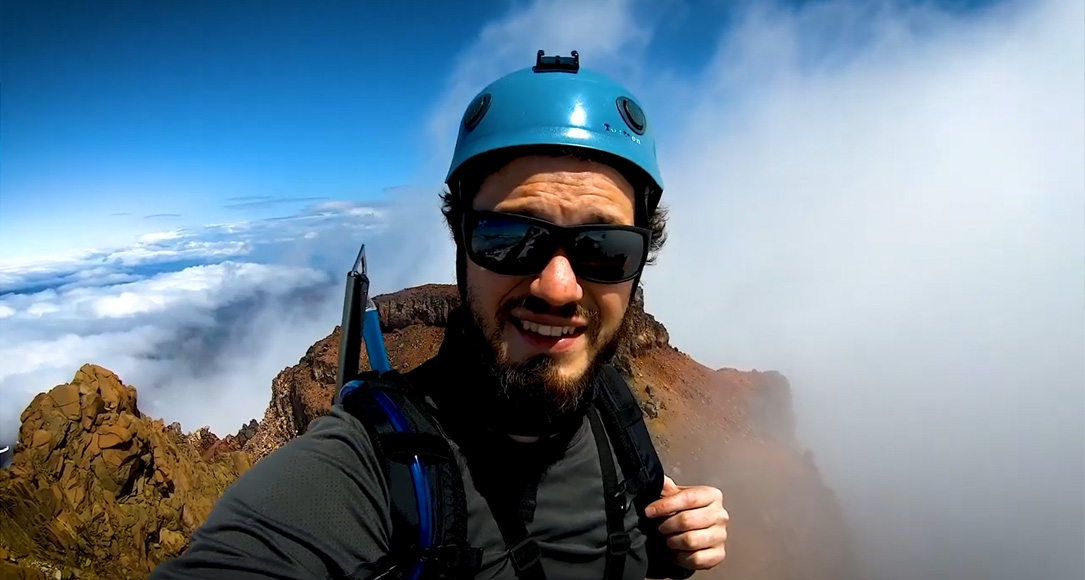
(360, 323)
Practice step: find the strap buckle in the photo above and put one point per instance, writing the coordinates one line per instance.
(618, 543)
(525, 555)
(620, 499)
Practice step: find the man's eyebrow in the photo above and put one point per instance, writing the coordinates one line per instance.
(602, 217)
(525, 211)
(595, 216)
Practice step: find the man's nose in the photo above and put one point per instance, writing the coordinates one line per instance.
(557, 283)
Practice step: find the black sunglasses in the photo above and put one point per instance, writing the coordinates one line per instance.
(517, 245)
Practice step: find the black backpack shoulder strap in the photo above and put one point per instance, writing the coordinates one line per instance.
(642, 470)
(429, 509)
(616, 502)
(524, 553)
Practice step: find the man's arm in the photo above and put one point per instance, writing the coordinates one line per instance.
(316, 508)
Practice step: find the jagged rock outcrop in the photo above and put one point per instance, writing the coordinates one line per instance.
(99, 489)
(426, 305)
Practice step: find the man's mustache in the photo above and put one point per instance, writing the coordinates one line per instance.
(537, 305)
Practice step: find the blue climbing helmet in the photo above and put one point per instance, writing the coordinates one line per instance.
(558, 104)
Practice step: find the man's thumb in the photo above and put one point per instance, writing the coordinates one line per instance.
(669, 488)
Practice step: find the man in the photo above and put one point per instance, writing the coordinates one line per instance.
(552, 201)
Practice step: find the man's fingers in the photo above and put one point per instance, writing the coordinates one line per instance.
(701, 559)
(694, 524)
(698, 519)
(687, 499)
(695, 540)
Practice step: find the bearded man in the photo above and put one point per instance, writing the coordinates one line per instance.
(553, 202)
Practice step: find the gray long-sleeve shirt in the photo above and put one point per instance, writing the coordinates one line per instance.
(319, 508)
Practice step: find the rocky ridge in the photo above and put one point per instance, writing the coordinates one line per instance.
(100, 490)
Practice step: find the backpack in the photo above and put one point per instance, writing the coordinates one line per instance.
(429, 513)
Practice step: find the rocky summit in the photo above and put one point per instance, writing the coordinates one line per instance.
(98, 490)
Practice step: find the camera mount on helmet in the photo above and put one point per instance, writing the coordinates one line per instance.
(556, 63)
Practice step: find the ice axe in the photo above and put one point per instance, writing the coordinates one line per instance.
(360, 323)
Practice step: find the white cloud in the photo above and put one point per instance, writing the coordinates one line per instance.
(202, 344)
(160, 236)
(200, 250)
(342, 207)
(213, 243)
(901, 234)
(14, 271)
(199, 287)
(891, 197)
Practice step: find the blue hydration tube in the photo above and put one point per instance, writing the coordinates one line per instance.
(357, 293)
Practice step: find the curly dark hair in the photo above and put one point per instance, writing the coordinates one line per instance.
(471, 175)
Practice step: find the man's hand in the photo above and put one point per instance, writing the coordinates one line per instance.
(694, 523)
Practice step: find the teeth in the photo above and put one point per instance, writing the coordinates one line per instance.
(548, 330)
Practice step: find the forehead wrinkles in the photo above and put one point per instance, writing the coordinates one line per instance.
(564, 197)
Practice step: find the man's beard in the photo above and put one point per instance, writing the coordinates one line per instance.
(534, 391)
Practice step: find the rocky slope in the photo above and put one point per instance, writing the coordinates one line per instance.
(99, 488)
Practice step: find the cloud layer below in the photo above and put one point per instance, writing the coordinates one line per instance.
(199, 320)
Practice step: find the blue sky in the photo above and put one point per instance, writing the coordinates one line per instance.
(170, 112)
(182, 107)
(880, 199)
(136, 116)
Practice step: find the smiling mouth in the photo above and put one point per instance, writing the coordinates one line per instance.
(548, 331)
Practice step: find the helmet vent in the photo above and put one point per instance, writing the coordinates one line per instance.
(556, 63)
(476, 111)
(632, 114)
